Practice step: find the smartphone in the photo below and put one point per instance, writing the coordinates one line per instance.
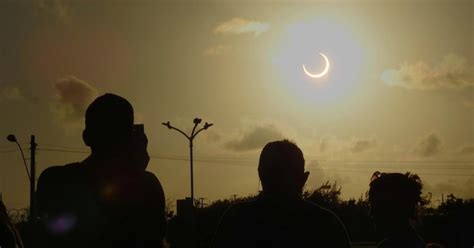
(139, 129)
(140, 157)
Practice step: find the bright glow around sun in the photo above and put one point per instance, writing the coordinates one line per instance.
(301, 46)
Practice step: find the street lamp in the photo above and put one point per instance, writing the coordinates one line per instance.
(190, 138)
(31, 173)
(13, 139)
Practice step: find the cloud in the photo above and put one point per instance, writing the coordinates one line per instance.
(238, 25)
(469, 103)
(467, 150)
(323, 144)
(10, 93)
(216, 50)
(335, 146)
(452, 71)
(255, 139)
(74, 95)
(460, 188)
(321, 173)
(55, 8)
(363, 145)
(428, 146)
(213, 136)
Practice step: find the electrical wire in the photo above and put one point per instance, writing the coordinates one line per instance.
(8, 151)
(336, 168)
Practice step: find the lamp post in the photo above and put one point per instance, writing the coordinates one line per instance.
(190, 138)
(31, 173)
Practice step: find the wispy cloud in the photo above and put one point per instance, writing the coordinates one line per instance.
(469, 102)
(452, 71)
(428, 146)
(353, 145)
(10, 93)
(467, 150)
(255, 138)
(216, 50)
(363, 145)
(461, 188)
(239, 25)
(56, 8)
(73, 97)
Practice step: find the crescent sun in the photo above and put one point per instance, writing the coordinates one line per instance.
(324, 72)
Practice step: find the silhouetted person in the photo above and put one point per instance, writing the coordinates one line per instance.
(280, 217)
(107, 200)
(9, 237)
(393, 199)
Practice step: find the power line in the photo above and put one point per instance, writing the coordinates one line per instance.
(61, 146)
(336, 161)
(205, 158)
(334, 169)
(417, 168)
(422, 173)
(7, 146)
(250, 159)
(8, 151)
(338, 168)
(397, 161)
(61, 150)
(366, 166)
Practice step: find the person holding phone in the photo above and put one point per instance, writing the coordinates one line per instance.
(109, 199)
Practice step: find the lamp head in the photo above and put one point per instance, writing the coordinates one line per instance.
(207, 125)
(167, 124)
(11, 138)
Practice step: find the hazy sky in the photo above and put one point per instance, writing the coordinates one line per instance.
(399, 94)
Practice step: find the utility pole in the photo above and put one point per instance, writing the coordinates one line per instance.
(32, 178)
(201, 202)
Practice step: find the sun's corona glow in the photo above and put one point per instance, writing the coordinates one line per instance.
(339, 69)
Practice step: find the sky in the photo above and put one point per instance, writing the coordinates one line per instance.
(398, 95)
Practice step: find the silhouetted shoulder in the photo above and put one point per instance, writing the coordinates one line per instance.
(409, 239)
(154, 184)
(274, 223)
(55, 181)
(151, 178)
(58, 172)
(329, 217)
(155, 223)
(55, 178)
(320, 212)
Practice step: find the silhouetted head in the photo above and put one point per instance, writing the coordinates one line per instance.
(394, 198)
(281, 169)
(109, 124)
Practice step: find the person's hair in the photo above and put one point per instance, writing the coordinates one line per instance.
(399, 194)
(109, 121)
(280, 161)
